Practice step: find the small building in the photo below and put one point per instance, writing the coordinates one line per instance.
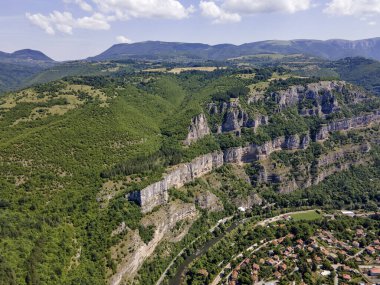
(348, 213)
(282, 267)
(234, 275)
(326, 273)
(356, 244)
(318, 259)
(277, 275)
(370, 250)
(346, 277)
(271, 262)
(375, 272)
(256, 267)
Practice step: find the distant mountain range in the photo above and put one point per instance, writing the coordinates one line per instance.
(25, 56)
(25, 67)
(173, 51)
(155, 50)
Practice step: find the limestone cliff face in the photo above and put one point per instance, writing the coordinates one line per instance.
(156, 194)
(348, 124)
(304, 176)
(315, 99)
(259, 152)
(164, 221)
(234, 118)
(198, 129)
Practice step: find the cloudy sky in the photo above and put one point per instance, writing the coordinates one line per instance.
(74, 29)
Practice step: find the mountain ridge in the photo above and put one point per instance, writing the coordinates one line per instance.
(332, 49)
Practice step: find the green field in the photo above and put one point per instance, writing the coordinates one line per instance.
(309, 216)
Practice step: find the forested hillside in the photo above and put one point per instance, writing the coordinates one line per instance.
(73, 150)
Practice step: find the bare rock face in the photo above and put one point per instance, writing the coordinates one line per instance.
(164, 221)
(209, 201)
(292, 142)
(319, 95)
(305, 141)
(198, 129)
(347, 124)
(156, 194)
(248, 202)
(239, 155)
(234, 118)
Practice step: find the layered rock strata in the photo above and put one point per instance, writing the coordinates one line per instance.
(156, 194)
(348, 124)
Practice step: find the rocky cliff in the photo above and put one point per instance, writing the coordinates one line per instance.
(306, 174)
(255, 152)
(198, 129)
(312, 99)
(157, 193)
(164, 222)
(348, 124)
(234, 117)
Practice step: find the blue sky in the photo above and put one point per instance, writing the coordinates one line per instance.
(74, 29)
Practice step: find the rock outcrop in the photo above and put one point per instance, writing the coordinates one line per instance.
(156, 194)
(304, 176)
(347, 124)
(164, 222)
(198, 129)
(234, 118)
(208, 201)
(313, 99)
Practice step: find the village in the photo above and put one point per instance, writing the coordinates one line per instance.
(319, 259)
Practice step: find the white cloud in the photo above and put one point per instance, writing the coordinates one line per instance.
(362, 9)
(106, 11)
(95, 22)
(81, 3)
(65, 22)
(358, 8)
(41, 21)
(123, 40)
(233, 10)
(125, 9)
(266, 6)
(210, 10)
